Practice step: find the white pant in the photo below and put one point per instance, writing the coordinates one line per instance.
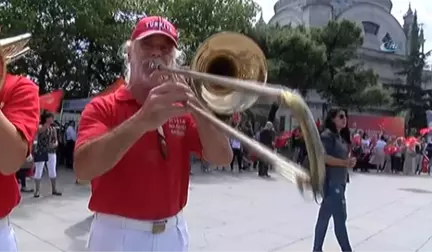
(51, 165)
(115, 233)
(7, 236)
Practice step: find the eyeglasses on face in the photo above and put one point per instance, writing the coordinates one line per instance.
(341, 116)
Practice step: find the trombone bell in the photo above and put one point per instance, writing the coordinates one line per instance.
(11, 49)
(234, 55)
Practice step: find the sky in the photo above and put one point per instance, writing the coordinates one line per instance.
(423, 7)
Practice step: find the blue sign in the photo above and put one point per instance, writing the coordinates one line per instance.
(75, 105)
(389, 47)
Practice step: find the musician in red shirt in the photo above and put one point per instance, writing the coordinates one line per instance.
(19, 117)
(135, 146)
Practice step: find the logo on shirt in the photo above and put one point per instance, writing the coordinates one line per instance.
(177, 126)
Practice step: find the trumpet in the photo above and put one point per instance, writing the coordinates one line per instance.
(11, 49)
(228, 74)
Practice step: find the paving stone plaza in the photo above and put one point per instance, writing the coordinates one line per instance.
(241, 212)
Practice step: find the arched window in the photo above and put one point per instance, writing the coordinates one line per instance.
(370, 27)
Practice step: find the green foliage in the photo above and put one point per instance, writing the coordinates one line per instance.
(292, 55)
(76, 43)
(324, 59)
(344, 80)
(375, 95)
(414, 100)
(198, 19)
(411, 97)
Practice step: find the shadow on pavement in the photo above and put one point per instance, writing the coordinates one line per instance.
(227, 176)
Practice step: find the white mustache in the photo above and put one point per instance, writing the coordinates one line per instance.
(148, 69)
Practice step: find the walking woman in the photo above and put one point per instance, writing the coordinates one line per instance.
(336, 141)
(45, 152)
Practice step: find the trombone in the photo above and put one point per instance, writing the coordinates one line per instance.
(228, 74)
(11, 49)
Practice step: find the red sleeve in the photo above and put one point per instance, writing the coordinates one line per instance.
(21, 107)
(192, 137)
(94, 121)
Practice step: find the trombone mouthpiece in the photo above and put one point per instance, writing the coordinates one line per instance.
(156, 64)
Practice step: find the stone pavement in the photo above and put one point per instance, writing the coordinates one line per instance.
(241, 212)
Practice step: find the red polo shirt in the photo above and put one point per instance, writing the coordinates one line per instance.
(19, 99)
(143, 185)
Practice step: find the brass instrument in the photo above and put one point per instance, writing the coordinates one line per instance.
(12, 49)
(228, 73)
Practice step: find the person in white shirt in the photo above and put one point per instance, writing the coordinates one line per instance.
(366, 142)
(237, 154)
(378, 155)
(70, 136)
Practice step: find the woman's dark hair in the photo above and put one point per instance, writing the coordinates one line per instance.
(44, 117)
(329, 124)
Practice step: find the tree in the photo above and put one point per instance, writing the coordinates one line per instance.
(293, 56)
(343, 79)
(414, 100)
(196, 20)
(324, 59)
(411, 97)
(75, 44)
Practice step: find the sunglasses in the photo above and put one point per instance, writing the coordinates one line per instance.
(342, 116)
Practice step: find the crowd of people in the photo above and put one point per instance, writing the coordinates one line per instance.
(243, 159)
(377, 151)
(384, 153)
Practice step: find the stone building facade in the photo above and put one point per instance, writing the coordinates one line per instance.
(385, 39)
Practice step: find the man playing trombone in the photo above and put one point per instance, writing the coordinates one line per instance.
(135, 146)
(19, 117)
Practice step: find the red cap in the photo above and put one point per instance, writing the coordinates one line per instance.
(153, 25)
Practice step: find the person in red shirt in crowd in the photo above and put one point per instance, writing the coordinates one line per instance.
(135, 146)
(19, 118)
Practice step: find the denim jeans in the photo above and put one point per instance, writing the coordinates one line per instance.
(333, 205)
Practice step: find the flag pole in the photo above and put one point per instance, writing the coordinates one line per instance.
(61, 112)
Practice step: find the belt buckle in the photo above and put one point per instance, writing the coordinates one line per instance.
(158, 227)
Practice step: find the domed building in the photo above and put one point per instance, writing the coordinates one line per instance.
(382, 32)
(385, 40)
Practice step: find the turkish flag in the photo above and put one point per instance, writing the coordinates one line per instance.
(51, 102)
(113, 87)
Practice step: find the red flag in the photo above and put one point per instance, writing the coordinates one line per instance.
(51, 101)
(357, 139)
(113, 87)
(236, 117)
(281, 140)
(425, 131)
